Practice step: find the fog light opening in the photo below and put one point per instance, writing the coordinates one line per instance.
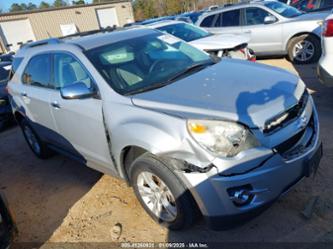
(241, 196)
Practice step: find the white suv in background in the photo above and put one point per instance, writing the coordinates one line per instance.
(325, 66)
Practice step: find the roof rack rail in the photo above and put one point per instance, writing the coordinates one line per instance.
(41, 43)
(90, 32)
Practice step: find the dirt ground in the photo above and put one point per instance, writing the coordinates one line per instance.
(59, 200)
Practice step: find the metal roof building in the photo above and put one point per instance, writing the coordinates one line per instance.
(20, 27)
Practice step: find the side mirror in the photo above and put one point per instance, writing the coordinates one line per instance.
(77, 91)
(270, 19)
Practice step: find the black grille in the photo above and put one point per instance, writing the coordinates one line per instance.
(287, 146)
(273, 124)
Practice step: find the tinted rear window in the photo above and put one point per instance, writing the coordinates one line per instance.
(4, 74)
(208, 21)
(15, 65)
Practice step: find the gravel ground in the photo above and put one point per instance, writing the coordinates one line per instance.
(59, 200)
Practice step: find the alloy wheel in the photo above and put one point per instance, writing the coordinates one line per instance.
(303, 50)
(157, 196)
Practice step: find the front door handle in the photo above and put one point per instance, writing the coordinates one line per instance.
(24, 94)
(55, 104)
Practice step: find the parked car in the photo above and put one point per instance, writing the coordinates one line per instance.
(310, 5)
(6, 57)
(325, 65)
(190, 17)
(189, 134)
(7, 225)
(5, 108)
(275, 28)
(223, 45)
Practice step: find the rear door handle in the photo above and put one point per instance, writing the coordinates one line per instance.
(55, 104)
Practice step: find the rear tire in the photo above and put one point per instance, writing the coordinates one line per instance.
(154, 183)
(304, 49)
(38, 147)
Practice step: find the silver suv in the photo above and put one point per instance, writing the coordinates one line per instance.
(190, 135)
(274, 28)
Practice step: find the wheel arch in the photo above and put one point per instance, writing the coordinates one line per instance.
(300, 34)
(127, 156)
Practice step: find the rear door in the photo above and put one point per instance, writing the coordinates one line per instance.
(224, 22)
(80, 121)
(264, 38)
(35, 95)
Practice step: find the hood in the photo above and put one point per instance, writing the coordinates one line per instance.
(231, 89)
(311, 17)
(217, 42)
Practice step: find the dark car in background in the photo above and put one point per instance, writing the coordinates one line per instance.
(310, 5)
(7, 225)
(5, 108)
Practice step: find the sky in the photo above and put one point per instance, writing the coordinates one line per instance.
(5, 4)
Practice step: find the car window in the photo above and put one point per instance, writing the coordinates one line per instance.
(68, 71)
(208, 21)
(185, 31)
(231, 18)
(145, 62)
(4, 74)
(255, 16)
(15, 65)
(38, 71)
(283, 9)
(327, 3)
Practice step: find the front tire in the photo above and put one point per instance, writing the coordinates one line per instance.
(38, 147)
(161, 193)
(304, 49)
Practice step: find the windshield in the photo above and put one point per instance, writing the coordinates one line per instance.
(184, 31)
(283, 9)
(146, 62)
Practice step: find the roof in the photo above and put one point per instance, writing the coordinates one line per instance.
(162, 23)
(62, 8)
(86, 42)
(101, 39)
(236, 6)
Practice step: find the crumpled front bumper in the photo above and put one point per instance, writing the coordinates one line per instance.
(272, 177)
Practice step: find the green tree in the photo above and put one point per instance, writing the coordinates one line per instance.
(44, 5)
(15, 7)
(78, 2)
(59, 3)
(31, 6)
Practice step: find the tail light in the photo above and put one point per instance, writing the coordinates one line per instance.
(328, 28)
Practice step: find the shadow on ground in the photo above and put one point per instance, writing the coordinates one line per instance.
(40, 192)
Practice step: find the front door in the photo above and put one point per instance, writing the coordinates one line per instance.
(264, 38)
(80, 121)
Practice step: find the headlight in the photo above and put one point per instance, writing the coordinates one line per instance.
(223, 138)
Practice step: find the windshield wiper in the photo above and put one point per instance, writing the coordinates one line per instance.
(172, 79)
(148, 88)
(190, 69)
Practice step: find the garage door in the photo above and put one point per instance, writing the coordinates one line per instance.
(15, 32)
(107, 17)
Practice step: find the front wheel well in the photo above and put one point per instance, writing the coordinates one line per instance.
(128, 156)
